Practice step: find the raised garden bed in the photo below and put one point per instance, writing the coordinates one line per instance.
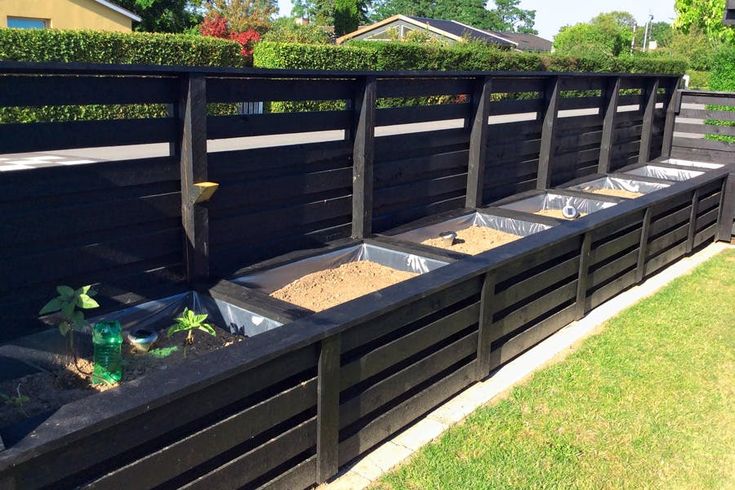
(42, 375)
(550, 204)
(326, 280)
(664, 173)
(475, 232)
(618, 187)
(689, 163)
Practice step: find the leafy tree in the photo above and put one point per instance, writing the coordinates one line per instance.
(694, 46)
(586, 39)
(705, 15)
(347, 16)
(164, 15)
(286, 30)
(513, 18)
(244, 15)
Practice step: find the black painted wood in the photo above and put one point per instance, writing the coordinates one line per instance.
(478, 142)
(610, 118)
(672, 106)
(550, 116)
(485, 336)
(583, 277)
(327, 439)
(363, 135)
(649, 110)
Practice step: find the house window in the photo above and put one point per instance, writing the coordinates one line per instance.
(27, 23)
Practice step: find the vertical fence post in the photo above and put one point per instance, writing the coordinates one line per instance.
(693, 221)
(583, 276)
(649, 110)
(552, 93)
(640, 271)
(485, 335)
(727, 210)
(610, 116)
(363, 153)
(192, 152)
(327, 438)
(478, 142)
(672, 105)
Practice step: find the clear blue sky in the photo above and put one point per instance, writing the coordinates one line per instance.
(553, 14)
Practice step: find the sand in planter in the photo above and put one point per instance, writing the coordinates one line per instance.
(555, 213)
(323, 289)
(474, 240)
(616, 192)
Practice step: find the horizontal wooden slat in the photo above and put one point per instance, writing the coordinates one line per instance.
(177, 458)
(515, 106)
(707, 100)
(406, 87)
(704, 235)
(32, 137)
(276, 123)
(56, 90)
(269, 89)
(417, 114)
(703, 143)
(404, 347)
(668, 239)
(662, 260)
(397, 384)
(704, 129)
(667, 222)
(707, 114)
(607, 271)
(536, 283)
(303, 475)
(612, 288)
(247, 467)
(612, 247)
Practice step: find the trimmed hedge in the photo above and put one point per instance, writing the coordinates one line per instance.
(387, 56)
(43, 45)
(51, 45)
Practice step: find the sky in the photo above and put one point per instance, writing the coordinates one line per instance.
(553, 14)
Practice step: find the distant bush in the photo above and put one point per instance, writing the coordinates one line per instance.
(698, 80)
(722, 79)
(286, 30)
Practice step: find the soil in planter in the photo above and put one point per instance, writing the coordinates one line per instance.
(323, 289)
(474, 240)
(555, 213)
(616, 192)
(48, 390)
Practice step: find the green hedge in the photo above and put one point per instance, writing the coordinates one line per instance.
(381, 56)
(51, 45)
(722, 79)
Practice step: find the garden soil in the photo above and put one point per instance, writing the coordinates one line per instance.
(474, 240)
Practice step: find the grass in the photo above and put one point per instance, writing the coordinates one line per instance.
(647, 403)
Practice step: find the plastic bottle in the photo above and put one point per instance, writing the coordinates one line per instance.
(107, 339)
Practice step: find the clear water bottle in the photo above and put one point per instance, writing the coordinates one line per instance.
(107, 339)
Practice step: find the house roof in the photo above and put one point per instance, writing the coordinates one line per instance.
(448, 28)
(119, 9)
(528, 42)
(463, 30)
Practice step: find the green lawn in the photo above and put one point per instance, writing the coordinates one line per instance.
(647, 403)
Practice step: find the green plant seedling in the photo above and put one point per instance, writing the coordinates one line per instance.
(69, 305)
(16, 401)
(163, 352)
(188, 322)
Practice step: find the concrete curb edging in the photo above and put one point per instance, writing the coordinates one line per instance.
(402, 446)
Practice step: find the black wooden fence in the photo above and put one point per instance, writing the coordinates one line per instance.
(289, 407)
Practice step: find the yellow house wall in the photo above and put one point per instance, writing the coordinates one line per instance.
(66, 14)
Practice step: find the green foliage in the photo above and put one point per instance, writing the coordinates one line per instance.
(286, 30)
(16, 401)
(347, 16)
(52, 45)
(163, 352)
(382, 56)
(164, 15)
(705, 15)
(694, 46)
(698, 80)
(608, 34)
(190, 321)
(723, 70)
(69, 305)
(506, 16)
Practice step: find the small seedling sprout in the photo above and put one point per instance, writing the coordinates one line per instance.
(188, 322)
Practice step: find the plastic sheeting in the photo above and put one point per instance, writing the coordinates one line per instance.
(159, 315)
(665, 173)
(557, 201)
(690, 163)
(278, 277)
(622, 184)
(507, 225)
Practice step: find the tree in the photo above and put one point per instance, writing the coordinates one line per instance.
(286, 30)
(506, 16)
(347, 16)
(164, 15)
(513, 18)
(244, 15)
(586, 39)
(705, 15)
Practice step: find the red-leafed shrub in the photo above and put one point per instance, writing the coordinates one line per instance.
(247, 40)
(215, 25)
